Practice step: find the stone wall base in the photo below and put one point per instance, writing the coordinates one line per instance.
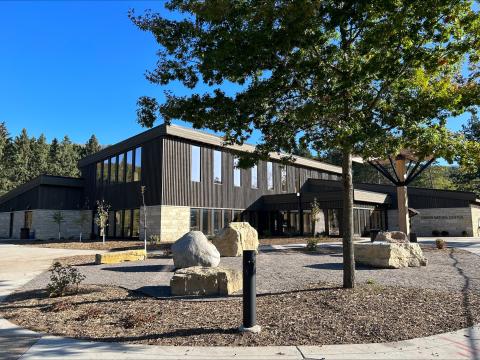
(168, 222)
(457, 221)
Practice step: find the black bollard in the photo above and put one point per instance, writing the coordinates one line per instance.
(249, 292)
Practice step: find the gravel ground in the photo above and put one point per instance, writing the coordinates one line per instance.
(314, 316)
(279, 271)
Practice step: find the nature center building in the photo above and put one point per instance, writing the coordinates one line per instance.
(191, 182)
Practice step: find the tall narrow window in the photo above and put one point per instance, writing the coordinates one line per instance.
(136, 223)
(127, 224)
(195, 219)
(217, 220)
(269, 176)
(217, 167)
(237, 173)
(118, 223)
(283, 177)
(138, 164)
(195, 170)
(105, 171)
(254, 172)
(121, 168)
(207, 221)
(113, 170)
(129, 175)
(99, 174)
(111, 224)
(227, 217)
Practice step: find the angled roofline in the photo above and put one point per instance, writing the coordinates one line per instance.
(47, 180)
(196, 136)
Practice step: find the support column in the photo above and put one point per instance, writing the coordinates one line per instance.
(402, 196)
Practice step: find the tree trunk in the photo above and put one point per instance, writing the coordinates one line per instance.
(348, 256)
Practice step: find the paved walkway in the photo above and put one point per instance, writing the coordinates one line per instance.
(19, 265)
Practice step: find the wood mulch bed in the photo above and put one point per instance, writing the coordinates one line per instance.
(318, 315)
(294, 240)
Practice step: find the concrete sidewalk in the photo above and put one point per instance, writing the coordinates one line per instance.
(19, 265)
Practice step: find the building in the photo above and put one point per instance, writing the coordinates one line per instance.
(190, 182)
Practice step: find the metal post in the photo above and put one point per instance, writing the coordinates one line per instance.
(249, 293)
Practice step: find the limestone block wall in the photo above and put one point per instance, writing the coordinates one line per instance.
(174, 222)
(46, 228)
(4, 225)
(169, 222)
(475, 220)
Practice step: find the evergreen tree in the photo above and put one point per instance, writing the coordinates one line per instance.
(91, 147)
(22, 159)
(40, 154)
(53, 158)
(5, 154)
(67, 158)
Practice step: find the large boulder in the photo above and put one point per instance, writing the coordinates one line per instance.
(194, 249)
(390, 255)
(205, 281)
(392, 237)
(235, 238)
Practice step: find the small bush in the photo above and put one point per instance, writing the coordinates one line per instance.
(154, 239)
(435, 233)
(312, 244)
(370, 282)
(440, 244)
(445, 233)
(63, 280)
(464, 233)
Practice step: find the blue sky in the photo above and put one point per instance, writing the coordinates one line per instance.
(76, 68)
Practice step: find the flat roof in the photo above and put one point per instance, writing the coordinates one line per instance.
(196, 136)
(46, 180)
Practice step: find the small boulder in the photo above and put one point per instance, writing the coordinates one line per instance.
(205, 281)
(194, 249)
(392, 237)
(389, 255)
(235, 238)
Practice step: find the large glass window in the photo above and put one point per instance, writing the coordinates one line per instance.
(269, 176)
(237, 215)
(129, 166)
(136, 223)
(105, 171)
(237, 173)
(127, 224)
(111, 224)
(254, 171)
(138, 164)
(195, 170)
(113, 170)
(118, 223)
(194, 219)
(217, 221)
(99, 173)
(121, 168)
(217, 167)
(227, 217)
(206, 221)
(283, 177)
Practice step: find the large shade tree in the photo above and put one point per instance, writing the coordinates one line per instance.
(365, 77)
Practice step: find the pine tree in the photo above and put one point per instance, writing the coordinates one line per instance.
(40, 153)
(91, 147)
(67, 158)
(5, 154)
(53, 158)
(22, 159)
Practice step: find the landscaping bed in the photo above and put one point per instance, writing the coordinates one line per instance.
(317, 315)
(294, 240)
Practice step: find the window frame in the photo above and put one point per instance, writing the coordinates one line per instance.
(283, 178)
(237, 173)
(193, 160)
(254, 175)
(220, 161)
(270, 177)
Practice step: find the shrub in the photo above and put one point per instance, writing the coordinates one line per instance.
(63, 280)
(370, 282)
(440, 244)
(154, 239)
(464, 233)
(435, 233)
(312, 244)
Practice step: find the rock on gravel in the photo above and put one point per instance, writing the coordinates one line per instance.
(194, 249)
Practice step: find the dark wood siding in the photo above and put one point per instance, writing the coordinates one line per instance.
(45, 197)
(179, 190)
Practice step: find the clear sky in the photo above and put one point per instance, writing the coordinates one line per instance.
(76, 68)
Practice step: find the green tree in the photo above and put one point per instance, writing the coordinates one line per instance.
(21, 159)
(92, 146)
(67, 158)
(53, 158)
(40, 152)
(365, 78)
(5, 159)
